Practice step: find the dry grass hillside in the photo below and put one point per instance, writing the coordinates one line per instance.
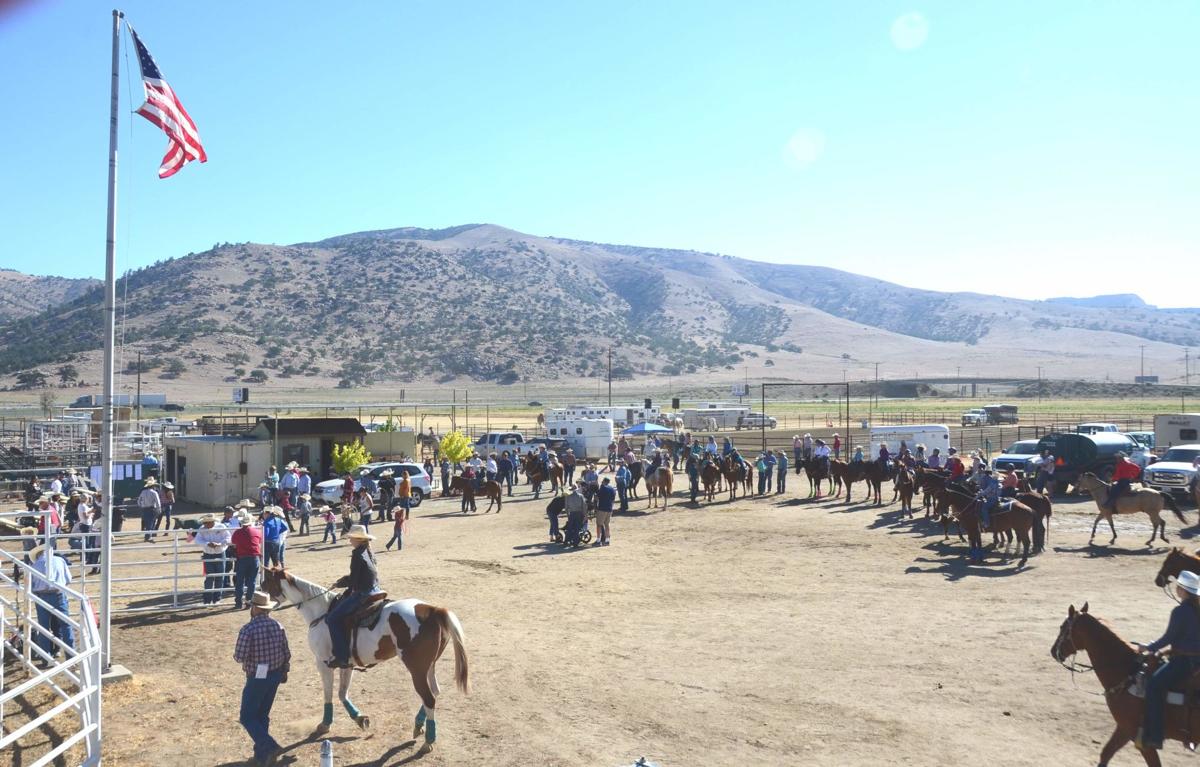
(24, 295)
(487, 304)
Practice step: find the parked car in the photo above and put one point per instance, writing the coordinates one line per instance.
(330, 491)
(1173, 472)
(756, 421)
(1144, 438)
(1022, 456)
(1096, 428)
(499, 441)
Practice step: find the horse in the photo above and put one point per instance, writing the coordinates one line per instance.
(490, 490)
(1116, 663)
(818, 471)
(710, 476)
(1017, 519)
(871, 472)
(1176, 562)
(1145, 500)
(658, 484)
(928, 482)
(1042, 510)
(635, 475)
(415, 631)
(735, 473)
(535, 476)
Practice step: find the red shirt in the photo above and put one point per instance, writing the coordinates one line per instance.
(248, 541)
(1125, 470)
(955, 465)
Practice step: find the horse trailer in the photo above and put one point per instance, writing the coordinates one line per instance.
(724, 416)
(588, 437)
(620, 415)
(1176, 429)
(930, 435)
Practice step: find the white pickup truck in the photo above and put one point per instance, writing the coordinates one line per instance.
(499, 441)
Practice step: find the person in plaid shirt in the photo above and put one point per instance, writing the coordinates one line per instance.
(262, 649)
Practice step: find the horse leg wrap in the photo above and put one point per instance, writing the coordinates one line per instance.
(327, 716)
(430, 731)
(351, 709)
(421, 716)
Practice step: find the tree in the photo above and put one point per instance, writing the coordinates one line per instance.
(258, 375)
(31, 379)
(456, 447)
(348, 457)
(67, 373)
(175, 367)
(46, 400)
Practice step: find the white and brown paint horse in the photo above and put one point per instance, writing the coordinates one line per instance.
(658, 483)
(409, 628)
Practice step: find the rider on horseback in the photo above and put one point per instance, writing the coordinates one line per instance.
(820, 454)
(988, 496)
(1183, 635)
(361, 583)
(1124, 472)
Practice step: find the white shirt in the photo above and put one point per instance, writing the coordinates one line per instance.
(213, 540)
(56, 486)
(821, 451)
(231, 524)
(148, 499)
(491, 465)
(55, 570)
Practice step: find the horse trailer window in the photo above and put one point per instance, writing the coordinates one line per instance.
(1187, 435)
(578, 430)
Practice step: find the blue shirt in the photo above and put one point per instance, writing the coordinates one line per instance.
(1183, 631)
(605, 497)
(623, 476)
(782, 461)
(53, 569)
(273, 528)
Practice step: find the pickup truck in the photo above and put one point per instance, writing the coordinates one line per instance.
(499, 441)
(976, 417)
(755, 421)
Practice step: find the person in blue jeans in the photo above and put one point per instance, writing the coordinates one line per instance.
(769, 460)
(623, 477)
(781, 468)
(52, 571)
(263, 652)
(1183, 636)
(362, 582)
(274, 536)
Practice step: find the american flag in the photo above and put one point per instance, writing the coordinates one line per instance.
(163, 109)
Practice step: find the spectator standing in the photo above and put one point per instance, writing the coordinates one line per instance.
(404, 491)
(271, 478)
(764, 473)
(837, 446)
(262, 649)
(303, 481)
(248, 543)
(781, 468)
(52, 570)
(692, 467)
(604, 508)
(623, 478)
(362, 503)
(506, 468)
(445, 468)
(274, 536)
(289, 483)
(347, 488)
(166, 499)
(213, 540)
(387, 494)
(149, 505)
(568, 464)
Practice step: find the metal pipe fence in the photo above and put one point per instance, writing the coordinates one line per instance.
(75, 680)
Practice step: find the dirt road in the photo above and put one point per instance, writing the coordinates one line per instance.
(768, 631)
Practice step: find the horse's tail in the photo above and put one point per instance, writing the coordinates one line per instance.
(462, 673)
(1169, 502)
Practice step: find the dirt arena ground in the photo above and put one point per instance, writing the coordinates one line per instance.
(771, 631)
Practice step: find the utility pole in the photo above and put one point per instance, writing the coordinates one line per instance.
(876, 384)
(610, 376)
(1187, 381)
(1039, 384)
(139, 392)
(1143, 375)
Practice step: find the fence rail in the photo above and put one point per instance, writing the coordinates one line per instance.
(75, 680)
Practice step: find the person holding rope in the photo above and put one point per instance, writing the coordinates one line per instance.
(1183, 636)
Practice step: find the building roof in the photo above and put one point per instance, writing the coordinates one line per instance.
(306, 427)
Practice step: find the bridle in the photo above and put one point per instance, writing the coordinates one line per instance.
(1075, 667)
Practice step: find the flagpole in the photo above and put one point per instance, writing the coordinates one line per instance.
(110, 326)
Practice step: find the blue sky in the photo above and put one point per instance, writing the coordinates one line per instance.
(1023, 148)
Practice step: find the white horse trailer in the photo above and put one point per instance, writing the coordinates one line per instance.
(724, 416)
(620, 415)
(588, 437)
(930, 435)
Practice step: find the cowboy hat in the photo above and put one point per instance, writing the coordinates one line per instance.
(273, 510)
(262, 601)
(359, 532)
(37, 550)
(245, 503)
(292, 465)
(28, 531)
(1189, 582)
(303, 470)
(305, 496)
(386, 473)
(244, 518)
(263, 484)
(151, 482)
(168, 486)
(208, 518)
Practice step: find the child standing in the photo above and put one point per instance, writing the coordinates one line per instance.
(329, 518)
(403, 500)
(304, 509)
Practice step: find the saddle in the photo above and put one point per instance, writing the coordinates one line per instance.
(367, 614)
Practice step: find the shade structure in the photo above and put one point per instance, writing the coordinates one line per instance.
(645, 428)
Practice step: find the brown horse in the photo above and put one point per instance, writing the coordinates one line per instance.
(535, 476)
(858, 471)
(410, 629)
(710, 475)
(1116, 663)
(1042, 510)
(735, 474)
(1150, 502)
(1018, 519)
(818, 471)
(1176, 562)
(490, 490)
(658, 485)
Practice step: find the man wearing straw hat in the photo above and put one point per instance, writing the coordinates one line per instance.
(213, 540)
(52, 570)
(248, 548)
(150, 505)
(262, 649)
(362, 581)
